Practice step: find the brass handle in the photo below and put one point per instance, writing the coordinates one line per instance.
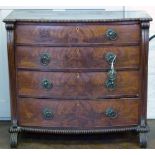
(110, 57)
(111, 113)
(110, 83)
(46, 84)
(45, 59)
(111, 34)
(47, 114)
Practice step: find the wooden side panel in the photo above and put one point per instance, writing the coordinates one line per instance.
(79, 114)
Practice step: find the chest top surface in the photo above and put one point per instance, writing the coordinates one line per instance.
(76, 16)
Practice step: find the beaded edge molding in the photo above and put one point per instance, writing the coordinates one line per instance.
(72, 131)
(77, 20)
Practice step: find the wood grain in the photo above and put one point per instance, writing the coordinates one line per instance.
(74, 85)
(79, 114)
(75, 34)
(76, 57)
(77, 71)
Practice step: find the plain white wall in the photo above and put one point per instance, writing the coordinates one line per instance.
(4, 84)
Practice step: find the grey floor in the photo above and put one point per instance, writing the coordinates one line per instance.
(109, 141)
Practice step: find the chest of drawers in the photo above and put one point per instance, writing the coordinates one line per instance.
(78, 72)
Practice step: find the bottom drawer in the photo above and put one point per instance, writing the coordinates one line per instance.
(77, 114)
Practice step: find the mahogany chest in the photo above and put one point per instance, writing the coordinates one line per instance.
(78, 72)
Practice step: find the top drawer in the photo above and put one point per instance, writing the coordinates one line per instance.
(77, 34)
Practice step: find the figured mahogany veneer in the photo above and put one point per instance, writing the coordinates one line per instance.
(78, 71)
(77, 114)
(75, 34)
(76, 85)
(128, 57)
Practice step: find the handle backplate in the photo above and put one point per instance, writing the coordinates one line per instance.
(47, 114)
(46, 84)
(111, 113)
(110, 57)
(45, 59)
(111, 34)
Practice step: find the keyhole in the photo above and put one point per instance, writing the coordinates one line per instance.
(77, 29)
(77, 51)
(77, 75)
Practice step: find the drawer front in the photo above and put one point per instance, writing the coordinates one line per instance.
(79, 114)
(74, 85)
(77, 34)
(76, 57)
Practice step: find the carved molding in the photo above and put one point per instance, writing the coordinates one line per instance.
(145, 25)
(142, 122)
(9, 26)
(14, 128)
(72, 131)
(143, 129)
(79, 20)
(13, 139)
(14, 123)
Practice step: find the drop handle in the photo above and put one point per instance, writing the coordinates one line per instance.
(110, 57)
(110, 83)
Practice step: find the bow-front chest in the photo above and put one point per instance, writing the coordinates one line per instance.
(78, 71)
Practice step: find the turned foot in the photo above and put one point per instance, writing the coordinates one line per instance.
(13, 139)
(143, 140)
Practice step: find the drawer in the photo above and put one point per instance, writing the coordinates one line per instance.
(76, 85)
(77, 114)
(77, 34)
(45, 58)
